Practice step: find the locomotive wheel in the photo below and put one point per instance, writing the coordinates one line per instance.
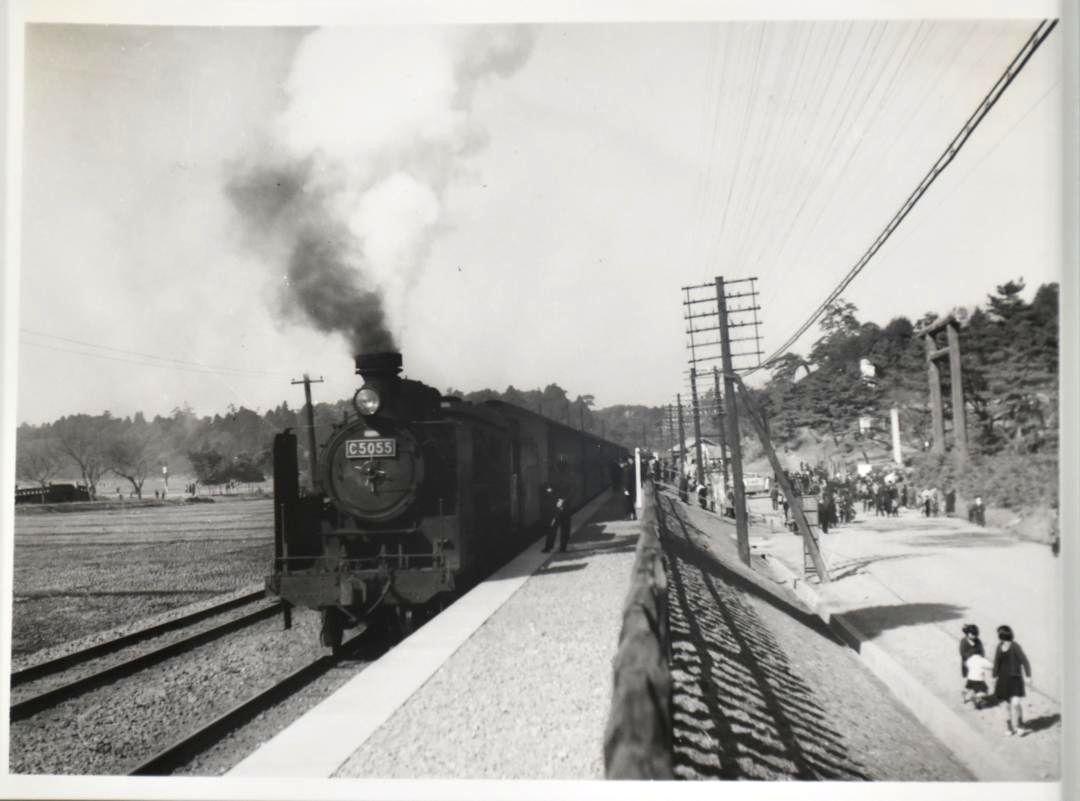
(333, 628)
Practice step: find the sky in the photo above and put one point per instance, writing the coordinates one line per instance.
(528, 200)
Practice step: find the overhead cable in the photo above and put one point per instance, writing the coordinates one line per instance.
(1022, 57)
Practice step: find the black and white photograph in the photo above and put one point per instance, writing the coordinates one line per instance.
(427, 401)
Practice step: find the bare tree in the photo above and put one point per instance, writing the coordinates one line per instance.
(81, 438)
(38, 460)
(129, 454)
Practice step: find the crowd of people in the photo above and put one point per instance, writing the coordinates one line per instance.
(838, 497)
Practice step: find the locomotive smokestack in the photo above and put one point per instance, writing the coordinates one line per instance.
(386, 364)
(379, 371)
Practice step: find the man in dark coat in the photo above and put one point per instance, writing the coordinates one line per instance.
(977, 512)
(629, 485)
(555, 509)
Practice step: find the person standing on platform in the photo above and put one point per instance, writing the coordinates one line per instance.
(629, 485)
(1010, 666)
(774, 494)
(824, 511)
(615, 475)
(555, 504)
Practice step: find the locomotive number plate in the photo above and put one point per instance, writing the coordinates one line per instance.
(371, 448)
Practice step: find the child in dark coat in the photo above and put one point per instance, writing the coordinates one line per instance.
(1010, 666)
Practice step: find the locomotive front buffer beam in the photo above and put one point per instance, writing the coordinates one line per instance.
(362, 589)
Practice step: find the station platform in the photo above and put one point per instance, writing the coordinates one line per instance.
(902, 588)
(514, 681)
(511, 681)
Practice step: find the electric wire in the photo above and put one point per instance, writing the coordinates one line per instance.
(869, 94)
(1032, 44)
(911, 119)
(831, 197)
(776, 144)
(146, 360)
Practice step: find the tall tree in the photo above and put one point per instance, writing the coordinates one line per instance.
(129, 453)
(38, 460)
(82, 438)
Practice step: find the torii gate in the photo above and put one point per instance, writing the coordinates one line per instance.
(951, 326)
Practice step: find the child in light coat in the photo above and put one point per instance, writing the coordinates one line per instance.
(980, 671)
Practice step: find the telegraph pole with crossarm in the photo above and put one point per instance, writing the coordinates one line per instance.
(310, 409)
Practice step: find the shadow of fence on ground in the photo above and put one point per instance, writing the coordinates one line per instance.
(740, 709)
(745, 581)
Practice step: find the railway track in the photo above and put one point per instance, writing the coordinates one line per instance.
(182, 751)
(38, 702)
(60, 663)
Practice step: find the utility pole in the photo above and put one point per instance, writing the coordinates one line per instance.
(671, 427)
(697, 426)
(682, 436)
(708, 302)
(742, 531)
(312, 451)
(720, 423)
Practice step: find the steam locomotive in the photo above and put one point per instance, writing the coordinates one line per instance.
(417, 496)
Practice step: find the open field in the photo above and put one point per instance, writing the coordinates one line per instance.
(82, 572)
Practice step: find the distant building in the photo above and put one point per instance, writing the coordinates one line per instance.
(867, 368)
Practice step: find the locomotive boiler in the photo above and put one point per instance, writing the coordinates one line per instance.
(416, 497)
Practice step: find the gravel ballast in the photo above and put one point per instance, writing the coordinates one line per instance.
(108, 730)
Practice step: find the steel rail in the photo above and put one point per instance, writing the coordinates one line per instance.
(36, 703)
(182, 751)
(47, 668)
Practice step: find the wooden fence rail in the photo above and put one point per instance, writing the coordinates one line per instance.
(637, 741)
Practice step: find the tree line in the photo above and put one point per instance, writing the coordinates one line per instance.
(1009, 354)
(230, 448)
(235, 447)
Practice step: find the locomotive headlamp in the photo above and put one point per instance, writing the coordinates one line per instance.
(366, 401)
